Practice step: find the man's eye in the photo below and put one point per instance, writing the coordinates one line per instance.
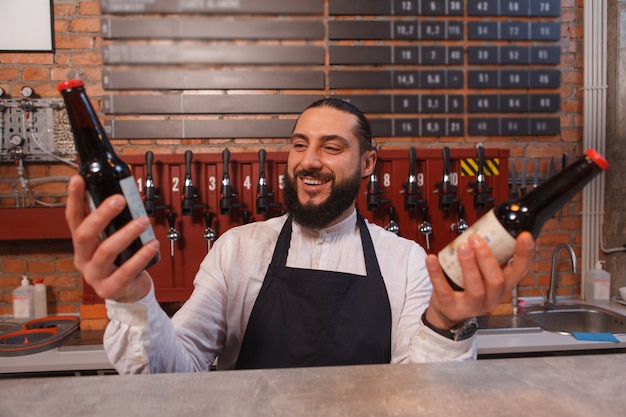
(332, 149)
(299, 146)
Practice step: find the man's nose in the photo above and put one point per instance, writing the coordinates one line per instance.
(311, 159)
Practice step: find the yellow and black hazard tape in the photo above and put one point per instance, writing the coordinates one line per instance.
(469, 167)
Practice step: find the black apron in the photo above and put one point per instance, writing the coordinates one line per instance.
(305, 317)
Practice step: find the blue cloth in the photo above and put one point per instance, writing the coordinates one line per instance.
(596, 337)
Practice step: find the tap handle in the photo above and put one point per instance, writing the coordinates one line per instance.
(446, 191)
(411, 191)
(425, 215)
(393, 225)
(262, 193)
(149, 190)
(262, 159)
(373, 192)
(226, 162)
(480, 151)
(461, 212)
(481, 191)
(188, 161)
(425, 227)
(412, 155)
(188, 191)
(225, 190)
(445, 152)
(149, 162)
(392, 214)
(246, 216)
(208, 219)
(172, 234)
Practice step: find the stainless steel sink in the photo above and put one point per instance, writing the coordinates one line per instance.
(568, 318)
(506, 324)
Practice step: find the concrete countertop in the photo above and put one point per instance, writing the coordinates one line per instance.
(541, 387)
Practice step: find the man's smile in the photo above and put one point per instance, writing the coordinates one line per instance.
(314, 181)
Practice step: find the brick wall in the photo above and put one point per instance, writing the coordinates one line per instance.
(77, 55)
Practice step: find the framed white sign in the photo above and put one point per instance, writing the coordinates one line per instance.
(26, 25)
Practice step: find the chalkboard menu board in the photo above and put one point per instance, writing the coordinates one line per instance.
(416, 67)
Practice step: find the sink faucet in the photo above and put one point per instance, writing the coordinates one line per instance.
(550, 302)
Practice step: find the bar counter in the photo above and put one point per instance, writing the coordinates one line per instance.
(580, 385)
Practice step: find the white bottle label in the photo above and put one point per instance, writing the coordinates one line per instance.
(135, 205)
(21, 307)
(602, 289)
(501, 243)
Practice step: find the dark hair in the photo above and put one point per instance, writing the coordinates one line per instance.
(362, 131)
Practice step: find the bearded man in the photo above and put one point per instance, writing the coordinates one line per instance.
(319, 286)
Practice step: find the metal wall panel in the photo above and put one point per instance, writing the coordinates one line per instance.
(154, 48)
(116, 54)
(197, 129)
(166, 79)
(210, 28)
(213, 6)
(206, 104)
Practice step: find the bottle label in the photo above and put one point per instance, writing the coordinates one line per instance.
(601, 289)
(135, 205)
(21, 307)
(501, 243)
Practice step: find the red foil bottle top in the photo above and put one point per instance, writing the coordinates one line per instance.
(597, 159)
(65, 85)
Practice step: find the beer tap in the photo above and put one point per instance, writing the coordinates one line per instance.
(151, 193)
(172, 234)
(444, 187)
(246, 216)
(262, 193)
(374, 192)
(460, 226)
(479, 186)
(149, 190)
(188, 191)
(425, 227)
(411, 201)
(393, 225)
(210, 235)
(226, 192)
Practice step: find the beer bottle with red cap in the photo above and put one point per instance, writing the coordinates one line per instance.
(500, 226)
(104, 172)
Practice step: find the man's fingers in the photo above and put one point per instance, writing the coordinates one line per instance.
(75, 207)
(522, 260)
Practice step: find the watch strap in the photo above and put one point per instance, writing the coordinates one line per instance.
(462, 331)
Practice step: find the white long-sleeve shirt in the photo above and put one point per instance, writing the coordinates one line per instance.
(141, 338)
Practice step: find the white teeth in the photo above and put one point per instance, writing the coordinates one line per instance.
(309, 181)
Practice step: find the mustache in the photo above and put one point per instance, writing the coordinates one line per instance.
(314, 174)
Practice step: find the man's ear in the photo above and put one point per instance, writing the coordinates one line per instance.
(368, 163)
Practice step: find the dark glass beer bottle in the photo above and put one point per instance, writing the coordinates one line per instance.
(500, 226)
(105, 173)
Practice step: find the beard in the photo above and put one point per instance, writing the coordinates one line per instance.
(317, 216)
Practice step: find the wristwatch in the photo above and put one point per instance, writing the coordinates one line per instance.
(462, 331)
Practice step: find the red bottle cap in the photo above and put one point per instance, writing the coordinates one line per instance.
(39, 281)
(65, 85)
(597, 159)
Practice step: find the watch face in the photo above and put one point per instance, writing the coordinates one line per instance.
(467, 330)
